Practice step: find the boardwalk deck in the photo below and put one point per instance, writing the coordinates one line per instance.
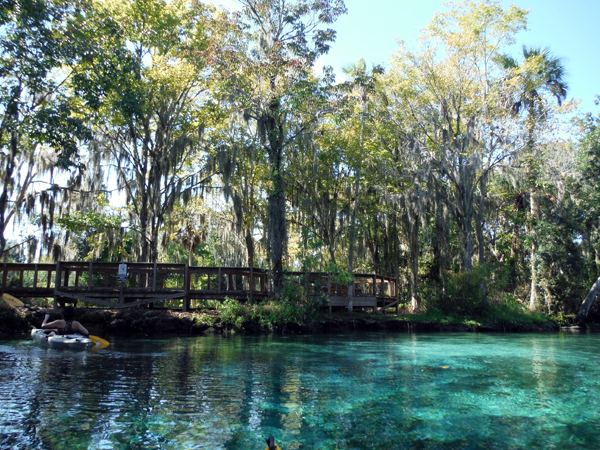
(99, 283)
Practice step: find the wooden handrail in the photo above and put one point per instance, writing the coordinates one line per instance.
(86, 280)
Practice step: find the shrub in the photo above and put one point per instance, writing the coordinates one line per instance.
(465, 294)
(292, 309)
(233, 314)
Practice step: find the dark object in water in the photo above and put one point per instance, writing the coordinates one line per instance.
(271, 445)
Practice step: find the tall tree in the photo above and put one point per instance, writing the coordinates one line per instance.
(539, 75)
(37, 113)
(361, 85)
(150, 74)
(454, 101)
(275, 86)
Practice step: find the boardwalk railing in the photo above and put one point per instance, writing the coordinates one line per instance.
(101, 283)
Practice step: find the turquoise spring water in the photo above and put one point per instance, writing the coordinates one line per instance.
(346, 391)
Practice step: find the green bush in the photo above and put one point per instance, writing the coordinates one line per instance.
(291, 310)
(465, 294)
(233, 314)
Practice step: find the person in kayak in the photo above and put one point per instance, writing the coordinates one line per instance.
(66, 325)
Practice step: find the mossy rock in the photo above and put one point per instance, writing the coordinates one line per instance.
(167, 324)
(119, 325)
(141, 325)
(185, 323)
(123, 315)
(99, 318)
(198, 328)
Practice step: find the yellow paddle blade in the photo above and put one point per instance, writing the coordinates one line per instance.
(99, 342)
(12, 301)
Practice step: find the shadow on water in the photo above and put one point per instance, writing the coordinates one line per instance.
(347, 391)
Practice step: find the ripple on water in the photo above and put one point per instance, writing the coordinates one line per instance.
(359, 391)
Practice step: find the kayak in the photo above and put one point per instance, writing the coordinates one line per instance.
(69, 341)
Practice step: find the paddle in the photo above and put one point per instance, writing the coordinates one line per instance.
(99, 342)
(14, 301)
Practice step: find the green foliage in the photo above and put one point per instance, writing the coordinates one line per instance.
(339, 275)
(465, 294)
(234, 315)
(509, 310)
(98, 230)
(292, 311)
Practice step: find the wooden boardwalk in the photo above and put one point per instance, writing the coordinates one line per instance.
(101, 283)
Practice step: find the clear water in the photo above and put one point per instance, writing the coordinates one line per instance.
(347, 391)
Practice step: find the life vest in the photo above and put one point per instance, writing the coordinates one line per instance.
(68, 329)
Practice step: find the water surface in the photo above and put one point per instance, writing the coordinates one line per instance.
(347, 391)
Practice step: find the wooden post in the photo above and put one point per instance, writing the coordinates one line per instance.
(396, 295)
(375, 291)
(57, 281)
(121, 295)
(186, 285)
(251, 287)
(306, 283)
(219, 279)
(4, 277)
(329, 292)
(90, 275)
(154, 272)
(35, 276)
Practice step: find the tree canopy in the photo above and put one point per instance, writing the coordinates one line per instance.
(154, 130)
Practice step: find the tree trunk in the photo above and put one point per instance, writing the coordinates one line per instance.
(534, 273)
(373, 245)
(597, 250)
(414, 262)
(466, 240)
(479, 224)
(277, 232)
(353, 240)
(7, 182)
(587, 303)
(250, 248)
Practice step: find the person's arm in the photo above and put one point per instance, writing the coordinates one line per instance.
(80, 328)
(53, 324)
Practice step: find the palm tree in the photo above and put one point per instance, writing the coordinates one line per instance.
(540, 74)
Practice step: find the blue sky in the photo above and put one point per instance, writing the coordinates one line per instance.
(571, 29)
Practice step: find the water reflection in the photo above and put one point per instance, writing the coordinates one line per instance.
(358, 391)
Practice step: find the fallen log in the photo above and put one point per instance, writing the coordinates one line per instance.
(587, 304)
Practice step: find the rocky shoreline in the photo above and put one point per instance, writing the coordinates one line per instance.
(144, 322)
